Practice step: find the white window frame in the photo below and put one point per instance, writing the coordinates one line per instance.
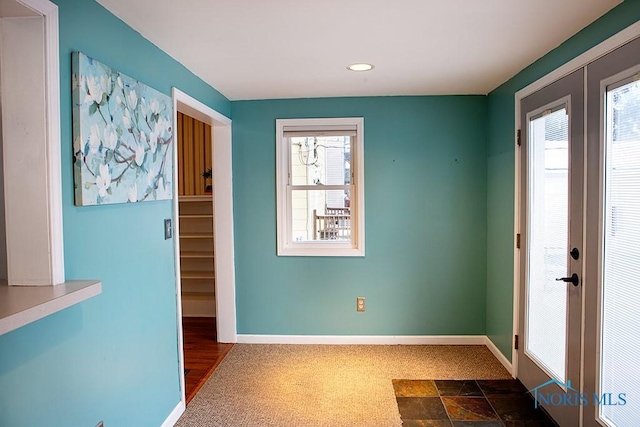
(286, 245)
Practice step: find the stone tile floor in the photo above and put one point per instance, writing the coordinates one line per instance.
(476, 403)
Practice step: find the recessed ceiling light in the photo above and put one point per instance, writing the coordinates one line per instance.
(361, 66)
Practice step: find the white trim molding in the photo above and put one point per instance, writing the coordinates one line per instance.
(225, 290)
(501, 357)
(225, 287)
(364, 339)
(174, 416)
(54, 147)
(381, 340)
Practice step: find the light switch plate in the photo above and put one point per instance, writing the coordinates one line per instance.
(168, 229)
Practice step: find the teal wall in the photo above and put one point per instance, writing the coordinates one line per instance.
(501, 157)
(114, 357)
(425, 189)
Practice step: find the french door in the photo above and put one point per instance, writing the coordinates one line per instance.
(579, 305)
(612, 293)
(552, 153)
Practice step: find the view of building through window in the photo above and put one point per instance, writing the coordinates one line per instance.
(322, 213)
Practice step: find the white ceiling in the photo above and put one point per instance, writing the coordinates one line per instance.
(262, 49)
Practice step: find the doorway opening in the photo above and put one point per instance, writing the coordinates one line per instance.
(203, 239)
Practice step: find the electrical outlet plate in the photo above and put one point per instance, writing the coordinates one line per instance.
(360, 304)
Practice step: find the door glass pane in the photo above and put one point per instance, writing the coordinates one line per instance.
(548, 201)
(620, 338)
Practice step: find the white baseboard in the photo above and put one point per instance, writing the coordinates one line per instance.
(381, 340)
(174, 415)
(364, 339)
(498, 354)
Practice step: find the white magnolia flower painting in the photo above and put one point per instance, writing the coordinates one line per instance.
(123, 137)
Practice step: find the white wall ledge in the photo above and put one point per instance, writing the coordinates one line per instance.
(21, 305)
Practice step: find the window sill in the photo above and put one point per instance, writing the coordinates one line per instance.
(21, 305)
(319, 250)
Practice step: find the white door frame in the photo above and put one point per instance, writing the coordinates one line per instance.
(225, 287)
(581, 61)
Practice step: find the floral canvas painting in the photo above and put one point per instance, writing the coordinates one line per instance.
(123, 137)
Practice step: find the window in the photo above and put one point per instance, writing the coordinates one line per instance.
(320, 186)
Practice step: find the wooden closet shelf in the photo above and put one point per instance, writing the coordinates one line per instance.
(197, 275)
(196, 236)
(184, 254)
(199, 198)
(198, 295)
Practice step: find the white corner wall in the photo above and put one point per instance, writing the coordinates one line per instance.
(3, 230)
(29, 86)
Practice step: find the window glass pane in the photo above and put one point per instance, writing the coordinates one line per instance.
(320, 195)
(620, 343)
(321, 160)
(320, 215)
(548, 235)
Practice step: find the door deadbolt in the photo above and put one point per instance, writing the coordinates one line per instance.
(575, 253)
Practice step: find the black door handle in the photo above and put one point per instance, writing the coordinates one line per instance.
(574, 279)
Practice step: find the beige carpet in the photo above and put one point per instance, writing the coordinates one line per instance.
(325, 385)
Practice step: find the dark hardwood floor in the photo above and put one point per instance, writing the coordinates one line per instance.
(202, 352)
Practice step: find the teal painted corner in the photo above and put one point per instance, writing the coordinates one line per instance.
(425, 213)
